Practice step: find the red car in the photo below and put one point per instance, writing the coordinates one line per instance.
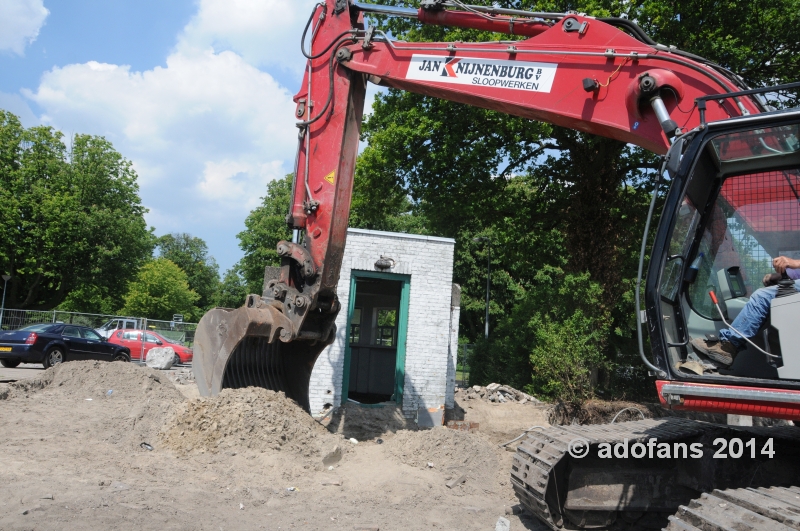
(132, 339)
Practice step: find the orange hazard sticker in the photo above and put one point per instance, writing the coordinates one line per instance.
(331, 177)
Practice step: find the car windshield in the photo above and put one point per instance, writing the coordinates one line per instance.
(38, 327)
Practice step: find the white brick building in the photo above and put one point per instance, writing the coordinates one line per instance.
(397, 333)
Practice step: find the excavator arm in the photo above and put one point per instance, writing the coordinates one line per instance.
(601, 76)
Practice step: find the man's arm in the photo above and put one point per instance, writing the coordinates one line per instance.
(782, 263)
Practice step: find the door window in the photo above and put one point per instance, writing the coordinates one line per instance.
(755, 218)
(71, 331)
(129, 325)
(150, 338)
(130, 336)
(386, 325)
(90, 334)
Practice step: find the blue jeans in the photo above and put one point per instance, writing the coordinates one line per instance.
(753, 315)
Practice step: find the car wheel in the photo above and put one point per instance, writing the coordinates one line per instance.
(10, 364)
(121, 357)
(176, 360)
(54, 356)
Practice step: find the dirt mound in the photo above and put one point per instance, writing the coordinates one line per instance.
(451, 452)
(92, 379)
(365, 423)
(131, 402)
(252, 418)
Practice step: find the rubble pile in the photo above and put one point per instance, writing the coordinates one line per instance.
(182, 376)
(495, 393)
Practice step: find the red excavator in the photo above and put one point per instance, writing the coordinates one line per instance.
(732, 207)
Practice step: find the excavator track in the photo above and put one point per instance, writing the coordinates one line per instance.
(759, 509)
(567, 492)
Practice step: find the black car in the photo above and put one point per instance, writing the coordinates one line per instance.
(50, 344)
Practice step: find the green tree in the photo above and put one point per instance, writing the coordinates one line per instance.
(72, 226)
(191, 254)
(265, 227)
(160, 290)
(232, 291)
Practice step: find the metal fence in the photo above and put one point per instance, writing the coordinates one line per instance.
(175, 331)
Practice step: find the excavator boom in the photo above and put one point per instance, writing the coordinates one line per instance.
(601, 76)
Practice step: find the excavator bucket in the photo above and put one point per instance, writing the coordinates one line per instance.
(243, 348)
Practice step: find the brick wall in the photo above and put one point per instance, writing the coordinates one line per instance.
(432, 318)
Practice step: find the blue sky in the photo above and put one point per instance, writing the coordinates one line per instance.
(197, 94)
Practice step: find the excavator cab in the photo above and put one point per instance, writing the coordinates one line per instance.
(733, 206)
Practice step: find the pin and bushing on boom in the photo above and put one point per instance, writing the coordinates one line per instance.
(650, 89)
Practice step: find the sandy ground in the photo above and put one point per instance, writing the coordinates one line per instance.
(242, 461)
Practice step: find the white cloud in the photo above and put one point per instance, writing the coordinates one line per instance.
(20, 21)
(206, 133)
(264, 32)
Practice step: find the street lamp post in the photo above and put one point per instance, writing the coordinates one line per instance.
(488, 278)
(3, 304)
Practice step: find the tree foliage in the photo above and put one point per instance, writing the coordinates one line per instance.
(191, 255)
(72, 224)
(160, 290)
(232, 291)
(264, 228)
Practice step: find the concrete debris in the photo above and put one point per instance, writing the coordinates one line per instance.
(332, 457)
(160, 358)
(499, 394)
(502, 525)
(514, 509)
(456, 481)
(332, 483)
(353, 440)
(182, 376)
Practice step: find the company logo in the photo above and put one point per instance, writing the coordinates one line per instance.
(515, 75)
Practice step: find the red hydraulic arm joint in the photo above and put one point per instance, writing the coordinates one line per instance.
(574, 71)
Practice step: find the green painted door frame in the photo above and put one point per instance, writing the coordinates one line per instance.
(402, 330)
